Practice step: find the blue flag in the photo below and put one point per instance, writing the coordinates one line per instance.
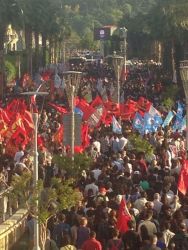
(183, 124)
(78, 111)
(116, 127)
(177, 123)
(151, 123)
(179, 110)
(138, 123)
(168, 119)
(179, 118)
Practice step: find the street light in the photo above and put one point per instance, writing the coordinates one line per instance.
(72, 82)
(184, 78)
(117, 62)
(35, 173)
(123, 35)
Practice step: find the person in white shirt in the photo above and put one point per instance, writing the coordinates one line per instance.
(176, 167)
(122, 142)
(92, 186)
(96, 144)
(157, 203)
(18, 155)
(96, 172)
(115, 144)
(140, 203)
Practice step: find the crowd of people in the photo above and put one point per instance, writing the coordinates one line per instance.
(156, 213)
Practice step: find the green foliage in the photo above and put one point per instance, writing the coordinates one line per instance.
(140, 145)
(10, 71)
(21, 189)
(81, 162)
(60, 195)
(169, 96)
(67, 195)
(87, 41)
(168, 103)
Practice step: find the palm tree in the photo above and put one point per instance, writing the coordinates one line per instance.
(8, 15)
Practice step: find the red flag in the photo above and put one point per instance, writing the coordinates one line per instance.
(28, 121)
(78, 149)
(15, 137)
(46, 76)
(85, 138)
(13, 127)
(112, 107)
(14, 107)
(20, 137)
(40, 141)
(97, 102)
(58, 108)
(108, 119)
(96, 116)
(123, 217)
(143, 105)
(183, 178)
(84, 106)
(58, 136)
(130, 108)
(3, 127)
(4, 116)
(11, 148)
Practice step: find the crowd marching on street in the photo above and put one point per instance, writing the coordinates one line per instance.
(131, 200)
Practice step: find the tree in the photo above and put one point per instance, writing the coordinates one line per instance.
(81, 162)
(140, 145)
(7, 16)
(44, 203)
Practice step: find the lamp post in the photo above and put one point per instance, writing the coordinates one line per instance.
(184, 78)
(19, 50)
(123, 35)
(117, 64)
(35, 172)
(72, 82)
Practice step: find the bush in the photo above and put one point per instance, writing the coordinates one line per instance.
(10, 70)
(140, 145)
(81, 162)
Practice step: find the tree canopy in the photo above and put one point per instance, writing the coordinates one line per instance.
(147, 21)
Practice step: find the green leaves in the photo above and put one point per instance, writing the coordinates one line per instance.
(139, 144)
(73, 169)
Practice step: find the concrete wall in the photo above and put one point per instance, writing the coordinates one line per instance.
(12, 229)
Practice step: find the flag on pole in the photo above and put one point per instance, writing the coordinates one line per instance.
(123, 217)
(183, 125)
(58, 108)
(179, 113)
(138, 122)
(116, 127)
(153, 111)
(151, 123)
(168, 119)
(183, 178)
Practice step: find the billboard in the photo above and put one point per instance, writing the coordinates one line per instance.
(67, 119)
(102, 33)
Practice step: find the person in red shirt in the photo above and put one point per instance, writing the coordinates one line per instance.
(92, 243)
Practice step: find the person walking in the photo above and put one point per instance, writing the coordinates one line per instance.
(92, 243)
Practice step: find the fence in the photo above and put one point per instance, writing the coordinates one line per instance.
(12, 226)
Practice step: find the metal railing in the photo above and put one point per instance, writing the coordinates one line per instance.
(5, 204)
